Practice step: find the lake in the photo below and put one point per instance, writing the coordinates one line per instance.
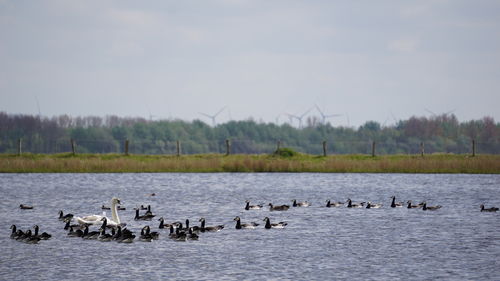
(455, 242)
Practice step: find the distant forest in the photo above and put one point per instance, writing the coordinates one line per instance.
(93, 134)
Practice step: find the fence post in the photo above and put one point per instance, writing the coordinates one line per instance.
(422, 147)
(126, 147)
(473, 147)
(19, 144)
(178, 148)
(73, 146)
(373, 149)
(324, 148)
(227, 147)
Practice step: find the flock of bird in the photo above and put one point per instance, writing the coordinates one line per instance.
(177, 231)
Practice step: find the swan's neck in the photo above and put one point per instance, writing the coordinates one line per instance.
(393, 203)
(114, 212)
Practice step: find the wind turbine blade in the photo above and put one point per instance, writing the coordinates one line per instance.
(220, 111)
(430, 112)
(309, 110)
(209, 116)
(333, 115)
(319, 110)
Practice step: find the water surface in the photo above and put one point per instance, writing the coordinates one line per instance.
(455, 242)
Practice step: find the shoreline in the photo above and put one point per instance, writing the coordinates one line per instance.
(249, 163)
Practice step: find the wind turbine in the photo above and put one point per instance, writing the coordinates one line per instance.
(323, 116)
(299, 117)
(435, 115)
(213, 116)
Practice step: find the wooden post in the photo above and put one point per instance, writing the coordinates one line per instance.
(178, 148)
(324, 148)
(19, 147)
(422, 147)
(73, 146)
(126, 147)
(227, 147)
(473, 147)
(373, 149)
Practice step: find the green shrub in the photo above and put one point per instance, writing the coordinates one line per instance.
(286, 152)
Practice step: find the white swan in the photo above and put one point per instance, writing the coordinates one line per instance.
(97, 219)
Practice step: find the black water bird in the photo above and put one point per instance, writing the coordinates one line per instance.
(492, 209)
(104, 237)
(354, 205)
(300, 204)
(204, 228)
(252, 207)
(25, 207)
(163, 224)
(240, 225)
(395, 204)
(75, 233)
(63, 217)
(410, 206)
(43, 236)
(278, 208)
(430, 208)
(270, 225)
(334, 204)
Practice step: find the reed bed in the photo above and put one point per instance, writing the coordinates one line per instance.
(115, 163)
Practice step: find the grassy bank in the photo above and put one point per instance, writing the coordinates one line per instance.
(115, 163)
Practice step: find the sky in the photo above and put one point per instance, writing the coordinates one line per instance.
(262, 59)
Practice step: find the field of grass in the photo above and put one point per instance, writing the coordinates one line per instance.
(207, 163)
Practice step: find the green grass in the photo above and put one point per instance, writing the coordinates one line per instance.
(208, 163)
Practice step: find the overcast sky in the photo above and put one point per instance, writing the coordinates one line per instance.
(365, 60)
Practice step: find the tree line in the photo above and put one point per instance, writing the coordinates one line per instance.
(94, 134)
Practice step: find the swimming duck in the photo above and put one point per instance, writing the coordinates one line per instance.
(120, 208)
(25, 207)
(334, 204)
(252, 207)
(410, 206)
(430, 208)
(90, 234)
(300, 204)
(351, 205)
(240, 225)
(123, 236)
(68, 225)
(144, 237)
(105, 207)
(204, 228)
(163, 224)
(270, 225)
(63, 217)
(144, 217)
(492, 209)
(43, 236)
(395, 204)
(15, 232)
(191, 235)
(278, 208)
(104, 237)
(30, 239)
(371, 205)
(180, 236)
(154, 235)
(77, 233)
